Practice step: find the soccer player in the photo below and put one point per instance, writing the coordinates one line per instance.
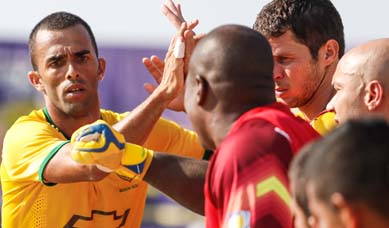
(361, 82)
(230, 101)
(307, 41)
(348, 176)
(42, 185)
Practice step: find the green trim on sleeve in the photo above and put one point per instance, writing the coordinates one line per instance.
(46, 161)
(207, 155)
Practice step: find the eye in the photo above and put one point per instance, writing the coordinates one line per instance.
(82, 58)
(56, 62)
(284, 60)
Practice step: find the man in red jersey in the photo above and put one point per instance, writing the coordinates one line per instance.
(230, 100)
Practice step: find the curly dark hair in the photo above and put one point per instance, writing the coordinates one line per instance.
(313, 22)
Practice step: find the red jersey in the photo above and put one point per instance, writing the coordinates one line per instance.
(247, 183)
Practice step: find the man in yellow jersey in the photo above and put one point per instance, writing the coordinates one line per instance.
(307, 41)
(361, 82)
(42, 185)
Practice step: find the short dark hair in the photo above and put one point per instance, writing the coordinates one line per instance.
(313, 22)
(58, 21)
(353, 160)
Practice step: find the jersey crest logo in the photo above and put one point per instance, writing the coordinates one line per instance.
(239, 219)
(96, 216)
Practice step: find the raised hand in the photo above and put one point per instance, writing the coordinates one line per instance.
(173, 13)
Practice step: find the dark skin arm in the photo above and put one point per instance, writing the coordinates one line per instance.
(180, 178)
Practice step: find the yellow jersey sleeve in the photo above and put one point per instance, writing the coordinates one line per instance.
(166, 136)
(28, 146)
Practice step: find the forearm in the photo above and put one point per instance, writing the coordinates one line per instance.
(62, 169)
(138, 124)
(180, 178)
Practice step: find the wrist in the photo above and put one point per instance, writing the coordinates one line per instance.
(135, 162)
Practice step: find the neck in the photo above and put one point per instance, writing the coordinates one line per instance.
(320, 99)
(222, 120)
(68, 124)
(220, 126)
(369, 218)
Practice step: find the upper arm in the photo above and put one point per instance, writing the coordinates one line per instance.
(34, 151)
(168, 136)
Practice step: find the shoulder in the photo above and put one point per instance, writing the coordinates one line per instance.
(29, 123)
(112, 117)
(255, 139)
(324, 122)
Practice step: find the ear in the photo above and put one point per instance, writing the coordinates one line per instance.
(101, 70)
(330, 52)
(201, 90)
(36, 81)
(373, 97)
(348, 215)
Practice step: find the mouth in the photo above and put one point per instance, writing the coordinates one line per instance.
(74, 89)
(280, 91)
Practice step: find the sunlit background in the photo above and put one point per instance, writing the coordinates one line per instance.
(126, 31)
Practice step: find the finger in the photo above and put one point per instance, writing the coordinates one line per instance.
(183, 27)
(179, 12)
(170, 49)
(176, 21)
(149, 87)
(158, 63)
(190, 44)
(148, 64)
(172, 6)
(153, 69)
(193, 24)
(179, 48)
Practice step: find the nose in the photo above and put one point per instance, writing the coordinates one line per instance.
(331, 104)
(72, 73)
(278, 72)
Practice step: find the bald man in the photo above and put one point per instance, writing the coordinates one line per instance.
(229, 98)
(361, 82)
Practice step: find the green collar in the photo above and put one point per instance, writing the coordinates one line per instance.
(51, 122)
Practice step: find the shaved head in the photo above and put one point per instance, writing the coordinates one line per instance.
(369, 60)
(230, 72)
(361, 81)
(233, 58)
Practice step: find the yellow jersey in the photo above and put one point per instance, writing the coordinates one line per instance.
(112, 202)
(323, 123)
